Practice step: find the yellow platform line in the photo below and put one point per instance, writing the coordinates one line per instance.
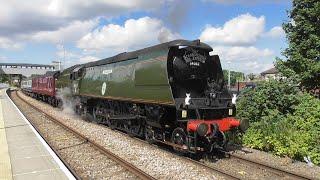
(5, 164)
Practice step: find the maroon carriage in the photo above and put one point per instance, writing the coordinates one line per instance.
(44, 87)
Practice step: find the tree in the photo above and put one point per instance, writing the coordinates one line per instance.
(4, 78)
(303, 54)
(251, 76)
(234, 76)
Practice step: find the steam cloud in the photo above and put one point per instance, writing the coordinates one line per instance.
(178, 12)
(165, 35)
(67, 104)
(175, 16)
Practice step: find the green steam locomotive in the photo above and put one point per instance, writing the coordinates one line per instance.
(173, 93)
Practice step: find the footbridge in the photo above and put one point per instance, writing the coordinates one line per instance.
(16, 71)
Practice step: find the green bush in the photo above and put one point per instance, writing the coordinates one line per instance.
(282, 119)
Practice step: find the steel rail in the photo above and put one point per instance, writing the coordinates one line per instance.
(269, 167)
(130, 167)
(224, 173)
(68, 166)
(217, 170)
(229, 176)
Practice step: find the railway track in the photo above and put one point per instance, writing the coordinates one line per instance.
(213, 169)
(269, 171)
(280, 171)
(72, 139)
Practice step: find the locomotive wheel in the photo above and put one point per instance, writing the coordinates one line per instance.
(128, 129)
(98, 119)
(179, 137)
(110, 123)
(77, 110)
(149, 135)
(95, 117)
(222, 140)
(136, 130)
(140, 131)
(59, 104)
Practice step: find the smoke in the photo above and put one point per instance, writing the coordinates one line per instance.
(174, 16)
(65, 96)
(166, 35)
(178, 14)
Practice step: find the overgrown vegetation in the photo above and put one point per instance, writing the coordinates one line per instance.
(283, 120)
(234, 76)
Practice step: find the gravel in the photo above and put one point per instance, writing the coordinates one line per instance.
(87, 161)
(156, 162)
(280, 162)
(165, 165)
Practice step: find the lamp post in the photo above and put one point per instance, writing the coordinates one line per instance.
(63, 61)
(64, 57)
(229, 75)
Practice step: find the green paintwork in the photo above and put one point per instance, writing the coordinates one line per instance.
(141, 79)
(63, 80)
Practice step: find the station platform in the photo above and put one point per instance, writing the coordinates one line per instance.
(23, 153)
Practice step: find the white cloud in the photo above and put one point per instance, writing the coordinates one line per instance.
(24, 17)
(246, 1)
(245, 59)
(134, 34)
(70, 58)
(6, 43)
(70, 33)
(79, 59)
(235, 42)
(85, 59)
(165, 35)
(60, 21)
(238, 53)
(64, 54)
(3, 58)
(21, 17)
(87, 9)
(257, 67)
(242, 30)
(275, 32)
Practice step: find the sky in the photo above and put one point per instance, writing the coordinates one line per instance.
(246, 34)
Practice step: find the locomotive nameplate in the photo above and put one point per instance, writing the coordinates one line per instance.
(107, 71)
(193, 55)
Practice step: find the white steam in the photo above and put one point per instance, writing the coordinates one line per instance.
(166, 35)
(65, 96)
